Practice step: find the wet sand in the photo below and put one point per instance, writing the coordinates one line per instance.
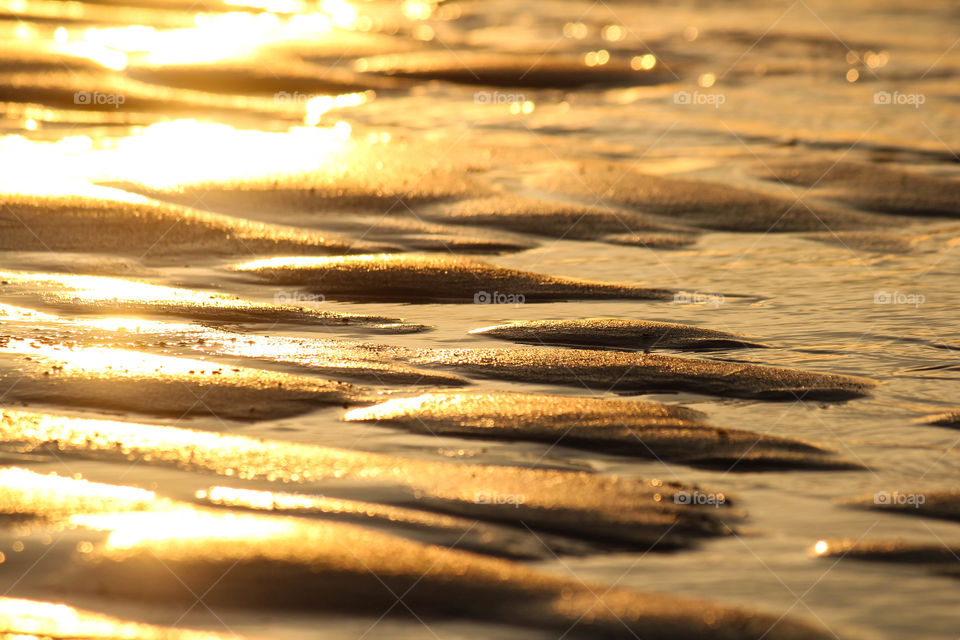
(453, 319)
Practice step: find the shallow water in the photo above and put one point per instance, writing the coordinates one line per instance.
(175, 153)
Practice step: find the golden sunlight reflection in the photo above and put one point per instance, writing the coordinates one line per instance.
(79, 360)
(214, 37)
(319, 105)
(102, 288)
(419, 9)
(303, 504)
(821, 547)
(273, 6)
(60, 168)
(102, 55)
(342, 13)
(132, 529)
(252, 499)
(311, 262)
(10, 312)
(118, 297)
(53, 496)
(154, 155)
(136, 325)
(226, 455)
(32, 620)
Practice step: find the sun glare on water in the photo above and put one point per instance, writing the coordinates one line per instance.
(214, 36)
(32, 620)
(155, 156)
(132, 529)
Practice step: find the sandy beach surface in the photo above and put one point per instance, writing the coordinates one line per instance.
(450, 319)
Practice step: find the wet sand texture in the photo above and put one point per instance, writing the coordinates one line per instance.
(617, 333)
(643, 429)
(644, 372)
(430, 278)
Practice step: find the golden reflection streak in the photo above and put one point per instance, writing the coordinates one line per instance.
(136, 325)
(93, 289)
(219, 152)
(318, 262)
(54, 497)
(305, 504)
(262, 500)
(131, 515)
(419, 9)
(101, 288)
(62, 168)
(154, 155)
(33, 620)
(273, 6)
(214, 36)
(342, 13)
(99, 293)
(225, 455)
(103, 360)
(129, 530)
(10, 312)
